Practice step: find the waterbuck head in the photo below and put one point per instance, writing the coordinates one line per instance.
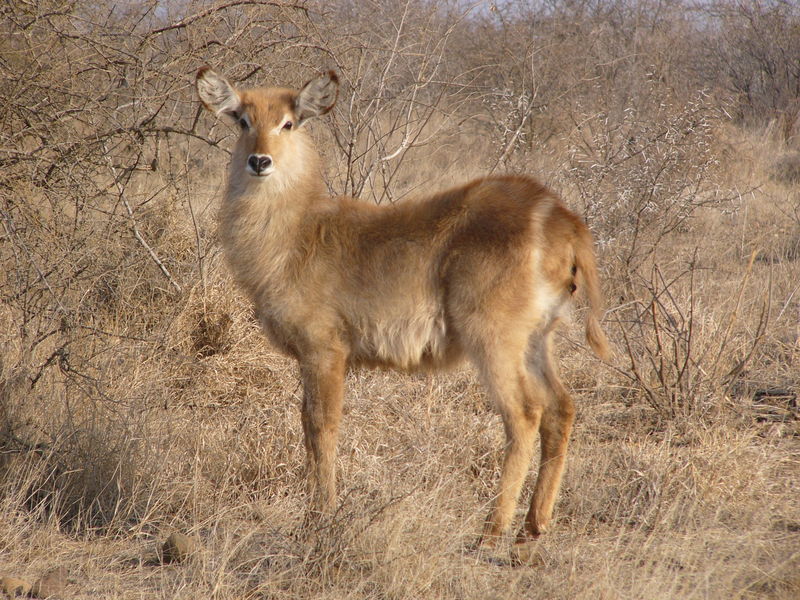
(271, 143)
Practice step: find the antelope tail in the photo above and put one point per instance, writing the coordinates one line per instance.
(587, 270)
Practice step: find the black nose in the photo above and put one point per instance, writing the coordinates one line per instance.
(259, 162)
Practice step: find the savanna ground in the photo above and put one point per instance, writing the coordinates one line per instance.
(137, 396)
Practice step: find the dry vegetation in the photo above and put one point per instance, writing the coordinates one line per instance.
(137, 396)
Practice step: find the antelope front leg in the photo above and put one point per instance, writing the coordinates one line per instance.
(323, 385)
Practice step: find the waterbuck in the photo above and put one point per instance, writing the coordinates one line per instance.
(481, 271)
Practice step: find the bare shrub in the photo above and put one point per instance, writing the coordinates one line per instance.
(680, 362)
(400, 94)
(642, 173)
(755, 54)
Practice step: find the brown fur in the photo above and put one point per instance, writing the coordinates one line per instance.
(480, 271)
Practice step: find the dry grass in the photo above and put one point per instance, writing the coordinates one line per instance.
(138, 397)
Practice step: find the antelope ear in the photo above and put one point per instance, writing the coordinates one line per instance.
(216, 93)
(317, 97)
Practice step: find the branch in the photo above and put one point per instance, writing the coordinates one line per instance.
(220, 7)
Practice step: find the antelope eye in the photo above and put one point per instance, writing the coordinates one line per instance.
(287, 125)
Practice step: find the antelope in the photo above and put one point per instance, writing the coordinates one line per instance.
(482, 271)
